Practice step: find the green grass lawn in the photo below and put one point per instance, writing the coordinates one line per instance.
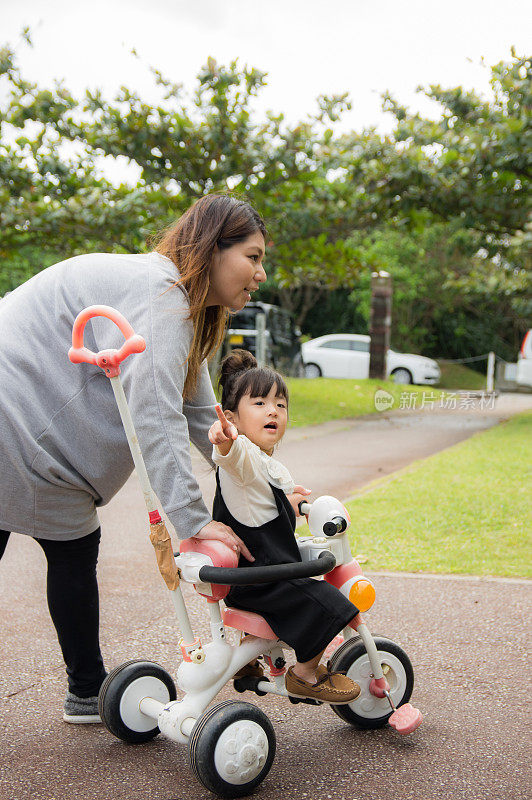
(458, 376)
(317, 400)
(467, 509)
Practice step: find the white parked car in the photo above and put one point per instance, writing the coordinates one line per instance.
(346, 355)
(524, 362)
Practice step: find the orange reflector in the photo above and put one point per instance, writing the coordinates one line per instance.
(362, 594)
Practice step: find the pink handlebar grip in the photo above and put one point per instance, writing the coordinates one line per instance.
(108, 360)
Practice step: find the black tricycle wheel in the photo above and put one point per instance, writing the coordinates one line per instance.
(231, 748)
(121, 693)
(368, 711)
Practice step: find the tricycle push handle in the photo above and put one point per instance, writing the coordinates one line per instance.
(247, 576)
(108, 360)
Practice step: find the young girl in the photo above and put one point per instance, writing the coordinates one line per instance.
(256, 497)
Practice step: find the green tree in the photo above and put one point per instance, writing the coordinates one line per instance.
(183, 147)
(442, 204)
(475, 162)
(445, 207)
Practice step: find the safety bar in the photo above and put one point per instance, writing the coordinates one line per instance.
(247, 576)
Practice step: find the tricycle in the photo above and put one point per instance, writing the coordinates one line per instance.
(231, 744)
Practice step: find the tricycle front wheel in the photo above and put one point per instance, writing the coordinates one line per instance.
(368, 711)
(231, 748)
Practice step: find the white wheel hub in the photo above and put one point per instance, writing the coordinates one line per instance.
(130, 713)
(366, 704)
(241, 752)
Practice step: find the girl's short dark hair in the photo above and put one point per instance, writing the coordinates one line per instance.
(241, 375)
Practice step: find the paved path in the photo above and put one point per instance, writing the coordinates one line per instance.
(466, 637)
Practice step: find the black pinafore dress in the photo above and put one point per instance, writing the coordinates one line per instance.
(305, 613)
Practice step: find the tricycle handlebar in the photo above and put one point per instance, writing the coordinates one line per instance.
(247, 576)
(108, 360)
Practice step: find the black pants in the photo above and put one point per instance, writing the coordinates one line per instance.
(72, 593)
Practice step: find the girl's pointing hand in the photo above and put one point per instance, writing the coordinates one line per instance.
(222, 430)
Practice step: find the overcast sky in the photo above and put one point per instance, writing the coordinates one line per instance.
(307, 47)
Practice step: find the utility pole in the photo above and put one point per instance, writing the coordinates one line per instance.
(491, 372)
(260, 349)
(380, 323)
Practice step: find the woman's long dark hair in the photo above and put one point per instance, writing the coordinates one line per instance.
(216, 219)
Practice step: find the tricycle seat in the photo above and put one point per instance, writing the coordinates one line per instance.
(249, 622)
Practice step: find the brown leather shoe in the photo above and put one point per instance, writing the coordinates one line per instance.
(253, 670)
(331, 687)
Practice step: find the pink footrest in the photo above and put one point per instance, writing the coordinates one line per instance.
(406, 719)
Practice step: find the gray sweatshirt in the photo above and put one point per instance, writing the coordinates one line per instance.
(63, 450)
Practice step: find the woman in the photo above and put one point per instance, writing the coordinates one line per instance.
(63, 451)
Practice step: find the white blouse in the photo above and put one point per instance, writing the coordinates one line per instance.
(245, 474)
